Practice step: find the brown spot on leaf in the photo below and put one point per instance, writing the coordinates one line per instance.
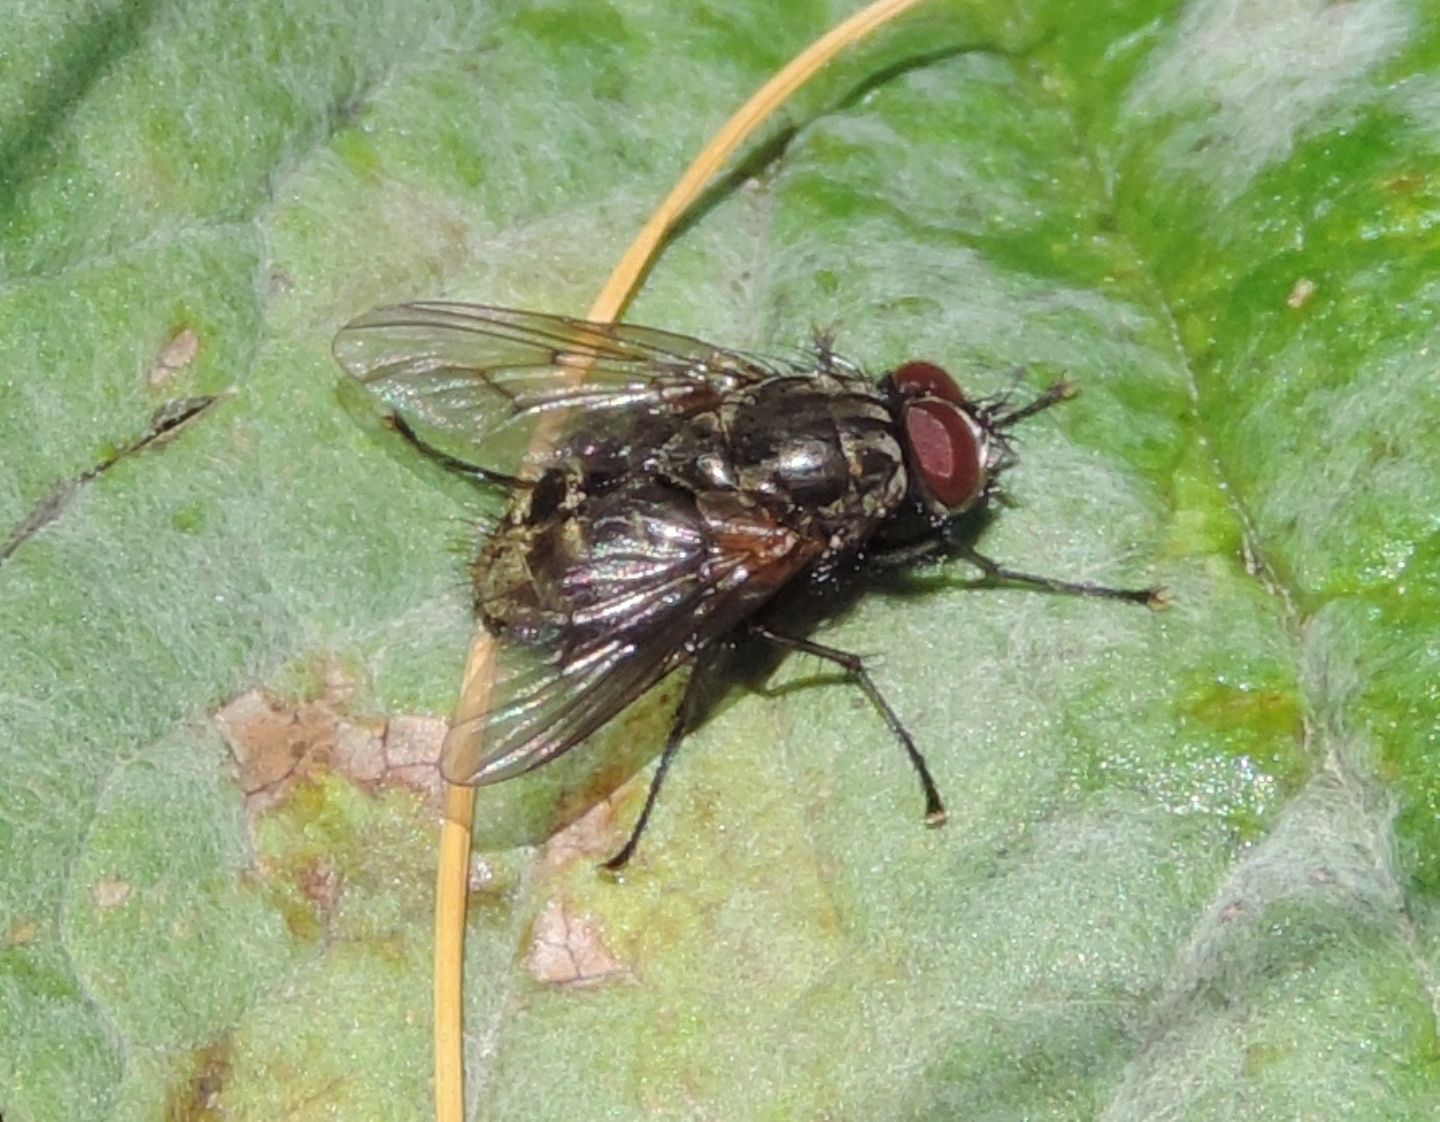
(175, 357)
(337, 684)
(568, 950)
(110, 892)
(277, 744)
(197, 1099)
(412, 745)
(20, 932)
(1406, 183)
(1232, 911)
(590, 836)
(320, 882)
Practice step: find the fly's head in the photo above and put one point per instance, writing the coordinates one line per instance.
(953, 448)
(956, 447)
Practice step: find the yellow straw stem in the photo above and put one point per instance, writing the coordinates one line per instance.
(733, 133)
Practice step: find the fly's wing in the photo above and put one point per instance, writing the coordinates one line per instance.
(477, 380)
(544, 703)
(546, 699)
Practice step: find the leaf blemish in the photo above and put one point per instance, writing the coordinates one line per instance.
(568, 951)
(277, 745)
(1301, 293)
(110, 892)
(165, 423)
(198, 1096)
(20, 932)
(591, 835)
(174, 358)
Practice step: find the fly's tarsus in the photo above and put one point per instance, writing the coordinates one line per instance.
(1155, 597)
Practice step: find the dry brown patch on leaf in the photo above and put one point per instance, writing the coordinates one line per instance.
(590, 836)
(277, 744)
(197, 1099)
(568, 950)
(320, 882)
(412, 745)
(20, 932)
(110, 892)
(174, 357)
(337, 684)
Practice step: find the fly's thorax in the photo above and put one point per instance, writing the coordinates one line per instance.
(820, 452)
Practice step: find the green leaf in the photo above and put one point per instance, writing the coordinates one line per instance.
(1192, 861)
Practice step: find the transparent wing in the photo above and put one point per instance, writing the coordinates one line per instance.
(548, 698)
(544, 704)
(478, 380)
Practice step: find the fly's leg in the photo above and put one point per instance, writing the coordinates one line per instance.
(453, 463)
(1152, 597)
(854, 666)
(679, 726)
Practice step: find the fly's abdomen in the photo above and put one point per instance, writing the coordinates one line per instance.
(596, 564)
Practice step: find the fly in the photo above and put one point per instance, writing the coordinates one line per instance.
(678, 489)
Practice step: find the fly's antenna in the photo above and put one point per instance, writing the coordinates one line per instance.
(1003, 418)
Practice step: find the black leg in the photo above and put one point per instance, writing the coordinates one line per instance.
(1153, 597)
(679, 726)
(854, 666)
(453, 463)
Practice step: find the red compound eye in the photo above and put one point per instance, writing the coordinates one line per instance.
(948, 451)
(925, 379)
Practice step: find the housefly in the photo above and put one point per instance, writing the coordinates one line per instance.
(662, 492)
